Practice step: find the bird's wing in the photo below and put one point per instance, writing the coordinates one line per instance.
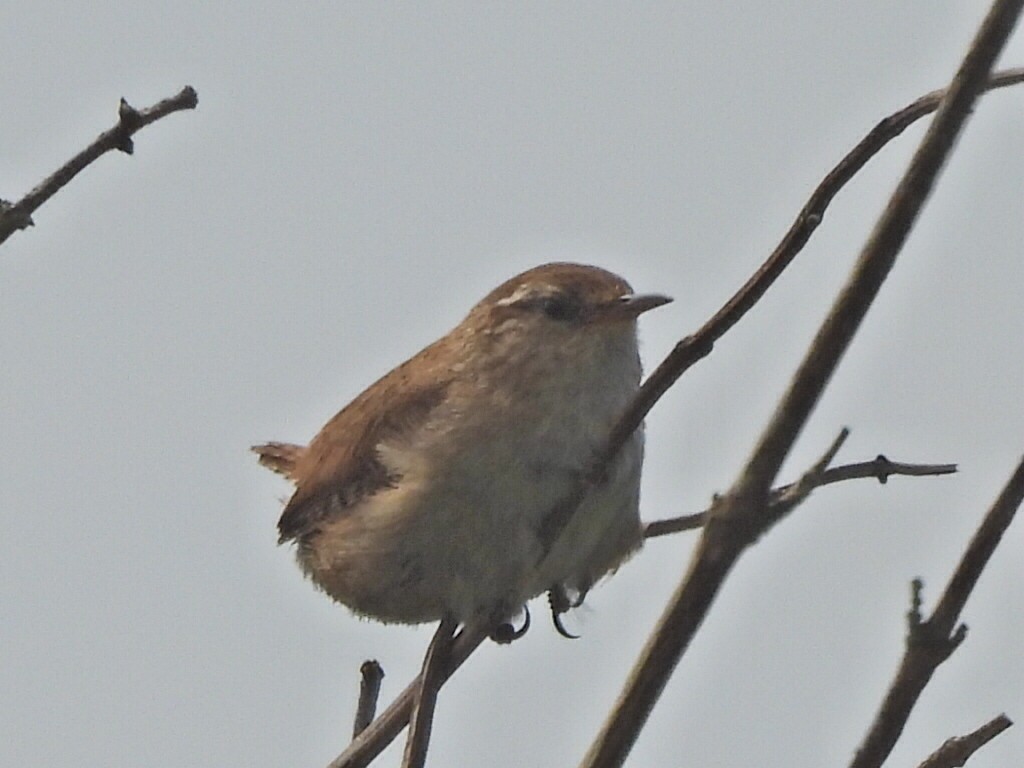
(341, 464)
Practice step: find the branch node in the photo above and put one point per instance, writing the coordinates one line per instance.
(935, 641)
(129, 121)
(914, 614)
(829, 456)
(128, 115)
(883, 468)
(14, 217)
(797, 492)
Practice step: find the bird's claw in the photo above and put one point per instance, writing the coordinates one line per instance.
(505, 633)
(558, 600)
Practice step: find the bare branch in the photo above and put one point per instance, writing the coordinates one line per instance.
(699, 345)
(930, 642)
(740, 516)
(432, 677)
(371, 674)
(687, 352)
(880, 469)
(130, 120)
(957, 751)
(383, 730)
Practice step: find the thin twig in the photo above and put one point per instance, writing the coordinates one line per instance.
(880, 469)
(130, 120)
(957, 751)
(930, 642)
(370, 676)
(389, 723)
(739, 519)
(432, 677)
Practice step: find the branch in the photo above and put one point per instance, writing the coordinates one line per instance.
(958, 750)
(371, 674)
(130, 120)
(931, 642)
(699, 345)
(383, 730)
(687, 352)
(740, 516)
(432, 677)
(881, 469)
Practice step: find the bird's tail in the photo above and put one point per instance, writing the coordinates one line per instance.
(280, 457)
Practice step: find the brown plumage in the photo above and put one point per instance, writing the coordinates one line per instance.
(280, 457)
(341, 466)
(423, 497)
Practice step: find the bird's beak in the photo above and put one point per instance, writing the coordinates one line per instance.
(629, 307)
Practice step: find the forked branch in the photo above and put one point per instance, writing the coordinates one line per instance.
(880, 469)
(931, 641)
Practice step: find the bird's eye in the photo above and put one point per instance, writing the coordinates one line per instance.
(561, 307)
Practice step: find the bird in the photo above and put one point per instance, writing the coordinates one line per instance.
(426, 497)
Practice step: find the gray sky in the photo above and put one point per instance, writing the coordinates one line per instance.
(356, 176)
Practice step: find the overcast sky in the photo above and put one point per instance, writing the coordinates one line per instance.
(356, 176)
